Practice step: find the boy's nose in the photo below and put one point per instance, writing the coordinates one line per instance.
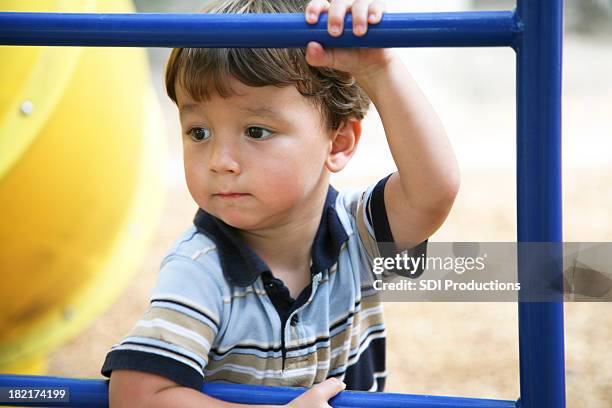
(223, 159)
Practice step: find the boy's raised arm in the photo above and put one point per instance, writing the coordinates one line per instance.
(420, 195)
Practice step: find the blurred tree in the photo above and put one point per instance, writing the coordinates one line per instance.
(588, 16)
(168, 6)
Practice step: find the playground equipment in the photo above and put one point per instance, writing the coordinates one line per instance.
(80, 149)
(533, 30)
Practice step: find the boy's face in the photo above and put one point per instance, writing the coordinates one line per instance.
(257, 159)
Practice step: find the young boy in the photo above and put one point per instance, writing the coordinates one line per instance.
(272, 283)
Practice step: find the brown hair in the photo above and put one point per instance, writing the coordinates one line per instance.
(202, 71)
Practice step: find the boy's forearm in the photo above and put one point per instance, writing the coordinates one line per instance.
(416, 137)
(183, 397)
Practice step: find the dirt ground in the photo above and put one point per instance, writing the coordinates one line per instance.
(461, 349)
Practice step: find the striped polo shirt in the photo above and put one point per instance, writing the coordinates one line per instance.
(218, 314)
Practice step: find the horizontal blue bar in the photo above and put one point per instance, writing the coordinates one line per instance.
(484, 28)
(89, 393)
(249, 394)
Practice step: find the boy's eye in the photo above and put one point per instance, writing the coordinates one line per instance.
(256, 132)
(198, 134)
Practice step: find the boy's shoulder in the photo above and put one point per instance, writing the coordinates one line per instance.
(358, 207)
(349, 199)
(191, 244)
(196, 252)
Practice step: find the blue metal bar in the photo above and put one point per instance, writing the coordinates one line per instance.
(486, 28)
(248, 394)
(89, 393)
(539, 50)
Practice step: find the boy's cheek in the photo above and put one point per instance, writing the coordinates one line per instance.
(200, 197)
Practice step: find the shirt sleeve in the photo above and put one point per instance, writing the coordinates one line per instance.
(374, 231)
(174, 336)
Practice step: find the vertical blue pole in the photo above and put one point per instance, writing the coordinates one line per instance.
(539, 51)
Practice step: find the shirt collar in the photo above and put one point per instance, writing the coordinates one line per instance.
(242, 266)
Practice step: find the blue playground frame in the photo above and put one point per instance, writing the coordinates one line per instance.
(534, 29)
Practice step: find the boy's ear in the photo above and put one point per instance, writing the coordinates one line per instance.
(344, 141)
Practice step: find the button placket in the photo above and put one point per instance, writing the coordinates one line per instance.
(294, 319)
(292, 329)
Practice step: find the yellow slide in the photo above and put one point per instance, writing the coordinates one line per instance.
(81, 183)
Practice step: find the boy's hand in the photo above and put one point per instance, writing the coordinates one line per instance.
(318, 395)
(361, 63)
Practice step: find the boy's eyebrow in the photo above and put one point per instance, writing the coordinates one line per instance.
(259, 111)
(263, 111)
(188, 107)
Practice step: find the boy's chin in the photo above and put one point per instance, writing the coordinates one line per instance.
(240, 220)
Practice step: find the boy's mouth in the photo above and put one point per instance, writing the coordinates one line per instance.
(230, 194)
